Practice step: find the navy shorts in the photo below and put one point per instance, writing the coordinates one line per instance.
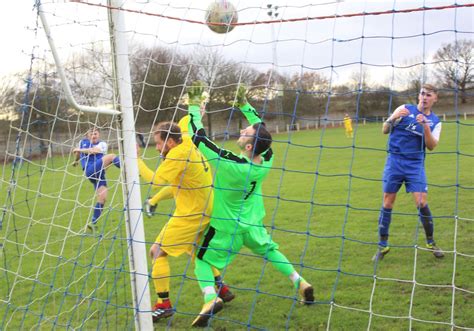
(95, 172)
(400, 171)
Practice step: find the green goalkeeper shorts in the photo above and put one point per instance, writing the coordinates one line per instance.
(220, 248)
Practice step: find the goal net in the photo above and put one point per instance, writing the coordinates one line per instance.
(309, 65)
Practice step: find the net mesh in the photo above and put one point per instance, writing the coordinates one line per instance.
(308, 64)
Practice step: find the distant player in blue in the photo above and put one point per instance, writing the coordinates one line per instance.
(412, 128)
(92, 154)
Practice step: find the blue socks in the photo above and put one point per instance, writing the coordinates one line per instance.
(384, 224)
(97, 211)
(427, 220)
(116, 161)
(386, 217)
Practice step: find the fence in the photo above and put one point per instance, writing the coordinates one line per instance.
(61, 144)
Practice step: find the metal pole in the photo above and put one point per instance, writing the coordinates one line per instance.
(132, 196)
(64, 83)
(273, 14)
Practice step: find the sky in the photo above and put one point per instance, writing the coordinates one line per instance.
(332, 47)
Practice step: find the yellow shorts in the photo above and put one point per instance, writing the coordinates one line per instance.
(182, 234)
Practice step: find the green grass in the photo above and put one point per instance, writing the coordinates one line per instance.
(322, 207)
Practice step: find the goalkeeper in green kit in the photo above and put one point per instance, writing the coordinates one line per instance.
(237, 216)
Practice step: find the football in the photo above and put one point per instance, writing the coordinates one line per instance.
(223, 14)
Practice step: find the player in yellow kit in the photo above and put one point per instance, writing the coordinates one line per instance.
(185, 176)
(348, 126)
(166, 192)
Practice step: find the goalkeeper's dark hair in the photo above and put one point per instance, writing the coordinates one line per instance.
(168, 130)
(262, 140)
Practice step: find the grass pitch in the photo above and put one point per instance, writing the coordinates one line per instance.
(322, 200)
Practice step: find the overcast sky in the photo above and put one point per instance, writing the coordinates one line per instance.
(309, 44)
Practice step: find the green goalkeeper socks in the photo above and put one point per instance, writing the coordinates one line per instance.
(280, 262)
(210, 297)
(205, 277)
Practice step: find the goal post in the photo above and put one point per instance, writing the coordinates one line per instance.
(127, 144)
(131, 188)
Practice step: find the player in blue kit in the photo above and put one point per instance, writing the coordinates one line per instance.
(412, 128)
(92, 154)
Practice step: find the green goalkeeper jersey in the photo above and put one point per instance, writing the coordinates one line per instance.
(238, 201)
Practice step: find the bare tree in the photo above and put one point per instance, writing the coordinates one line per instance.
(454, 66)
(158, 78)
(414, 73)
(210, 66)
(7, 94)
(371, 99)
(90, 76)
(360, 80)
(267, 85)
(223, 76)
(37, 103)
(308, 92)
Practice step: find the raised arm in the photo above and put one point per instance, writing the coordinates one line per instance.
(252, 117)
(100, 148)
(394, 119)
(245, 107)
(431, 137)
(77, 157)
(149, 176)
(164, 194)
(196, 129)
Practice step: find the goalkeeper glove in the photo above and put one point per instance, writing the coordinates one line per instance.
(141, 140)
(241, 97)
(149, 208)
(195, 93)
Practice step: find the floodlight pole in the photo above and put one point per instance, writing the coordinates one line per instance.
(132, 196)
(273, 14)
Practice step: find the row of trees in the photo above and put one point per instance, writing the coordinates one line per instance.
(159, 76)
